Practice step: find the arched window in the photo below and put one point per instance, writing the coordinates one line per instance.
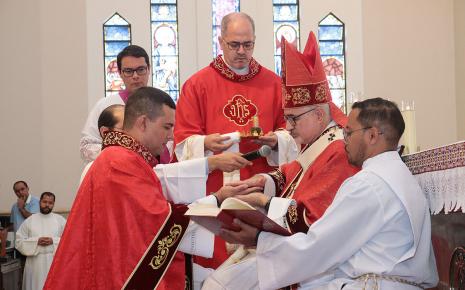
(286, 23)
(221, 8)
(116, 36)
(332, 49)
(165, 50)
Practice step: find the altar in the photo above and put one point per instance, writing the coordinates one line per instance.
(441, 174)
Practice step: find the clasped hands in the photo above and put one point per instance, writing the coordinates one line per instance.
(44, 241)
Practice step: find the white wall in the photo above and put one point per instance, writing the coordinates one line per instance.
(396, 49)
(459, 27)
(409, 54)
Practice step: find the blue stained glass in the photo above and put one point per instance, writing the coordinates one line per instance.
(290, 31)
(174, 95)
(285, 13)
(113, 81)
(220, 8)
(164, 39)
(284, 1)
(117, 33)
(163, 1)
(163, 13)
(165, 73)
(330, 20)
(277, 64)
(330, 32)
(116, 19)
(331, 47)
(113, 48)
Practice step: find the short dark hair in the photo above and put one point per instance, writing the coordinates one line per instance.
(47, 193)
(383, 114)
(132, 50)
(107, 118)
(20, 181)
(146, 101)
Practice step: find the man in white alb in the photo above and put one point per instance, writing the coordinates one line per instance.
(37, 239)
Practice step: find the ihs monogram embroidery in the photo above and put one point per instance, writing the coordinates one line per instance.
(240, 110)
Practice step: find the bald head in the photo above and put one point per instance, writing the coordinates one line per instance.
(234, 19)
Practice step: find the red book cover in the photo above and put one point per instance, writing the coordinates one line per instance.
(214, 218)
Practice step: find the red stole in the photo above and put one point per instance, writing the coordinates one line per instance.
(118, 211)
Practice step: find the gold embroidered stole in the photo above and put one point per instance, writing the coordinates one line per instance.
(160, 253)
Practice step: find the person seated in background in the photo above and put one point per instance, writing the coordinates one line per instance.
(37, 239)
(376, 234)
(303, 189)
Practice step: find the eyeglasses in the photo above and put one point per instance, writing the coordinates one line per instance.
(293, 119)
(347, 134)
(235, 45)
(129, 72)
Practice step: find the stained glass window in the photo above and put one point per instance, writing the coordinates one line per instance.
(286, 23)
(332, 50)
(116, 36)
(221, 8)
(165, 50)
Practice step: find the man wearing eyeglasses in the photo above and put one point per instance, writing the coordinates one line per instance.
(298, 193)
(224, 98)
(376, 234)
(134, 68)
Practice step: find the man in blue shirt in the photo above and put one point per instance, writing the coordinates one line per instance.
(24, 207)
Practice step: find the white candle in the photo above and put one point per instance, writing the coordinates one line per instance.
(409, 138)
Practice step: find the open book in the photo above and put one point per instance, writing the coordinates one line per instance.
(214, 218)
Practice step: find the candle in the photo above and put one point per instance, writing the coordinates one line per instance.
(409, 138)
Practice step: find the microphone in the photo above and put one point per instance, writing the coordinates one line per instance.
(264, 151)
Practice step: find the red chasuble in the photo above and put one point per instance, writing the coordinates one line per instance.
(118, 211)
(217, 100)
(318, 186)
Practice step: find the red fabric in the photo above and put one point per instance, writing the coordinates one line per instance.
(118, 210)
(200, 111)
(320, 182)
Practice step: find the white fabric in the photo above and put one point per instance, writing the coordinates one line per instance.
(444, 189)
(183, 182)
(39, 258)
(197, 240)
(287, 149)
(84, 171)
(378, 223)
(91, 142)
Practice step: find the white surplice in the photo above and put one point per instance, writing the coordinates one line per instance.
(379, 222)
(39, 258)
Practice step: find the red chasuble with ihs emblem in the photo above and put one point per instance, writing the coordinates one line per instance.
(217, 100)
